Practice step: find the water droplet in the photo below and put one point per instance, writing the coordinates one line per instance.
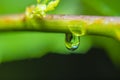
(72, 41)
(77, 28)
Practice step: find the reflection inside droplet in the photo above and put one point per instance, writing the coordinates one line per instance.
(72, 42)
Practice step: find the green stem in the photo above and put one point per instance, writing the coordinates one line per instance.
(92, 25)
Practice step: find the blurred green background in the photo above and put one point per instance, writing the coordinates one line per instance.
(21, 48)
(26, 45)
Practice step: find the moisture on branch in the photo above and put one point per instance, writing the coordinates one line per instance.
(92, 25)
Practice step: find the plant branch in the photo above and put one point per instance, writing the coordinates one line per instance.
(91, 25)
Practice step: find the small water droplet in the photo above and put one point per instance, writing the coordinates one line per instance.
(77, 28)
(72, 41)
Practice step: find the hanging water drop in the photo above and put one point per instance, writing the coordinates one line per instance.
(72, 41)
(77, 28)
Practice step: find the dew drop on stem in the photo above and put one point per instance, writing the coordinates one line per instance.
(72, 41)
